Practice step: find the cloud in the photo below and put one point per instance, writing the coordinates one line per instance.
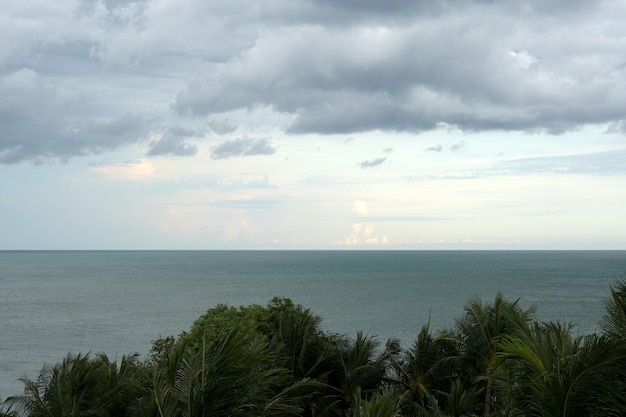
(221, 127)
(360, 207)
(601, 163)
(433, 66)
(81, 78)
(372, 162)
(174, 141)
(618, 126)
(242, 147)
(142, 170)
(594, 163)
(363, 234)
(524, 58)
(455, 147)
(436, 148)
(37, 122)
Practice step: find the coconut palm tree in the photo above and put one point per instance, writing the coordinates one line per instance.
(231, 377)
(82, 386)
(357, 366)
(476, 334)
(614, 320)
(558, 375)
(384, 403)
(298, 341)
(422, 372)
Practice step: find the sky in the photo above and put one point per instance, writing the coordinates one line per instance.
(312, 124)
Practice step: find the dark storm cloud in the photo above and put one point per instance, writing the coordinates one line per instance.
(242, 147)
(372, 162)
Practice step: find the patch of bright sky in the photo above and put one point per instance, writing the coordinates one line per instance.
(313, 194)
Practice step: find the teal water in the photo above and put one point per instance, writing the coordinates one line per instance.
(52, 303)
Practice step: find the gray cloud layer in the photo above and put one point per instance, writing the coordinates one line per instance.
(90, 78)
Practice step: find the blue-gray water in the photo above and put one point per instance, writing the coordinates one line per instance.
(52, 303)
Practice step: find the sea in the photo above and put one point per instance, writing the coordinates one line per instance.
(117, 302)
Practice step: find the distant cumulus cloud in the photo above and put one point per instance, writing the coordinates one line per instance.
(372, 162)
(363, 234)
(242, 147)
(360, 207)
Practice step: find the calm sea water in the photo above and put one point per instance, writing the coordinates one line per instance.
(52, 303)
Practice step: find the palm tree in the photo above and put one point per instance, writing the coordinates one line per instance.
(381, 404)
(614, 320)
(558, 375)
(299, 342)
(357, 367)
(461, 400)
(422, 372)
(82, 386)
(231, 377)
(476, 334)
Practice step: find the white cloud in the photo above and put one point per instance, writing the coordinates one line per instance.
(363, 234)
(360, 207)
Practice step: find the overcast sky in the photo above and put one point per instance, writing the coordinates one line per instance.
(313, 124)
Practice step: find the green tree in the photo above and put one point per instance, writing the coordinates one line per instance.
(384, 403)
(558, 375)
(290, 333)
(82, 386)
(476, 334)
(614, 320)
(357, 366)
(229, 377)
(422, 372)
